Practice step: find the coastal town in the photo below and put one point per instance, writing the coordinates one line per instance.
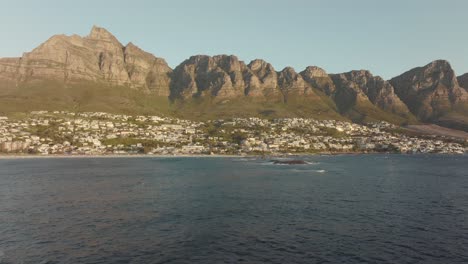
(97, 133)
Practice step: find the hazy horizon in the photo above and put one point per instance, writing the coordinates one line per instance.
(385, 38)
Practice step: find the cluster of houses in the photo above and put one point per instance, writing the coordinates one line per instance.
(97, 133)
(299, 135)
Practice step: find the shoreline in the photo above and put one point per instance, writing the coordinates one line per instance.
(63, 156)
(109, 156)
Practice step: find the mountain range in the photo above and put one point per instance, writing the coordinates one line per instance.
(98, 73)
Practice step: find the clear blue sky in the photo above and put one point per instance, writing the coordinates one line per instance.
(386, 37)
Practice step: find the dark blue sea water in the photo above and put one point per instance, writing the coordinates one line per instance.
(338, 209)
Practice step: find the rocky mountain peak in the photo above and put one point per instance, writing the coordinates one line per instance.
(356, 80)
(98, 57)
(289, 75)
(135, 50)
(430, 91)
(314, 72)
(196, 59)
(436, 72)
(261, 80)
(440, 65)
(319, 79)
(199, 76)
(289, 71)
(130, 45)
(229, 63)
(209, 63)
(258, 65)
(263, 70)
(99, 33)
(292, 83)
(440, 70)
(361, 86)
(359, 75)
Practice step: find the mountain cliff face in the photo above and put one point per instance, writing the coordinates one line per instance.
(356, 87)
(147, 71)
(225, 77)
(292, 84)
(319, 79)
(432, 93)
(463, 81)
(98, 57)
(261, 80)
(203, 76)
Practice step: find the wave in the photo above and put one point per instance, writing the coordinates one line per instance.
(316, 171)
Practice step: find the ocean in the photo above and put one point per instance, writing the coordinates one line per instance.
(335, 209)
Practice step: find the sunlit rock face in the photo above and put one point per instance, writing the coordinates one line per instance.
(319, 79)
(463, 81)
(201, 76)
(362, 86)
(430, 91)
(261, 80)
(98, 57)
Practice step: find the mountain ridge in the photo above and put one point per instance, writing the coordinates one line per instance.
(431, 93)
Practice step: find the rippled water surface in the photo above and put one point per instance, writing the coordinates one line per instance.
(337, 209)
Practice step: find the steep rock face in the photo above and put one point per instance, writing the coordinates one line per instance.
(98, 57)
(145, 70)
(200, 76)
(9, 68)
(430, 91)
(261, 80)
(463, 81)
(110, 55)
(291, 84)
(319, 79)
(361, 86)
